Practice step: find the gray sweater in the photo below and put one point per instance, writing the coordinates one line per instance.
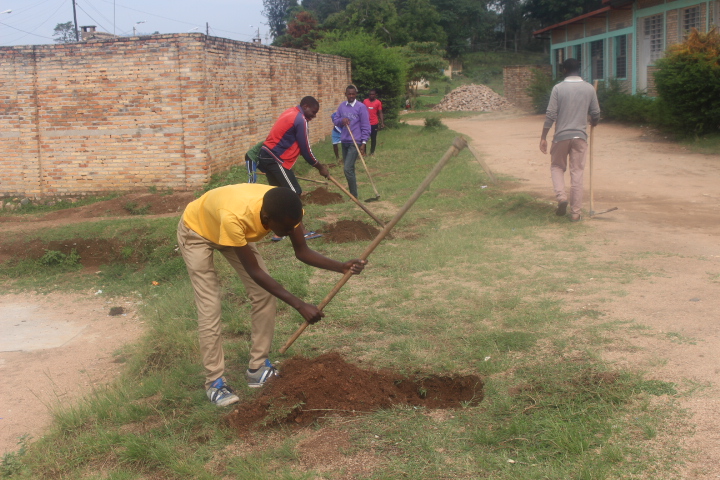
(570, 103)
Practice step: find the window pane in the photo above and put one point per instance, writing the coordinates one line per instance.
(621, 56)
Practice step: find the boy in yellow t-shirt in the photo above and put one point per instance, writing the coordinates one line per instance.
(230, 220)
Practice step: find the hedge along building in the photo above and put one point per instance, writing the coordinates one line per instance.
(130, 113)
(623, 39)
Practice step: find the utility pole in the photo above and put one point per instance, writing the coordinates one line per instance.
(207, 28)
(77, 35)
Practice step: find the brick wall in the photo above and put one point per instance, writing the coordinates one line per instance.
(516, 80)
(163, 110)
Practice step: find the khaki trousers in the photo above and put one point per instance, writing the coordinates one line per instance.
(198, 255)
(574, 149)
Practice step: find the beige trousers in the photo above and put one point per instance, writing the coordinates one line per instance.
(198, 255)
(574, 149)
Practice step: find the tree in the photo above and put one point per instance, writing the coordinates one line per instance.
(324, 8)
(688, 84)
(277, 12)
(64, 33)
(425, 62)
(373, 66)
(376, 17)
(550, 12)
(302, 32)
(469, 24)
(419, 21)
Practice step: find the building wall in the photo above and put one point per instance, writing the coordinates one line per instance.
(579, 36)
(517, 79)
(163, 110)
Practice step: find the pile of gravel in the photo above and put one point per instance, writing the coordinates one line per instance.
(472, 98)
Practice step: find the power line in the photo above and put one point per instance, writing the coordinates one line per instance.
(62, 4)
(91, 18)
(98, 12)
(23, 31)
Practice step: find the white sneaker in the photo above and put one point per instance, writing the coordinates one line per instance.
(220, 394)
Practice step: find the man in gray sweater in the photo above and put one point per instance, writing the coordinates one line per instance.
(570, 103)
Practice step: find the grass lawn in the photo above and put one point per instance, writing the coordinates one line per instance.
(472, 281)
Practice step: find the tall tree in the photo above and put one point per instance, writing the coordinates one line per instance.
(277, 12)
(64, 33)
(469, 24)
(376, 17)
(549, 12)
(324, 8)
(302, 32)
(419, 22)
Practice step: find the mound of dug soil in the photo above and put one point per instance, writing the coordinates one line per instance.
(321, 196)
(349, 231)
(327, 386)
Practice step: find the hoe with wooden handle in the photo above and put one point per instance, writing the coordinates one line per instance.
(377, 195)
(352, 197)
(590, 159)
(455, 148)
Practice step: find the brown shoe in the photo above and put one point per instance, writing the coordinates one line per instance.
(562, 209)
(575, 217)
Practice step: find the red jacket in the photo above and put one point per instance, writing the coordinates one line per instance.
(289, 138)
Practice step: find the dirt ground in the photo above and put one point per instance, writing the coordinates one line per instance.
(669, 203)
(313, 389)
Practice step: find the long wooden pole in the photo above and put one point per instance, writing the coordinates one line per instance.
(302, 178)
(352, 197)
(592, 147)
(455, 148)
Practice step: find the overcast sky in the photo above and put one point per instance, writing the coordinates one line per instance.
(33, 21)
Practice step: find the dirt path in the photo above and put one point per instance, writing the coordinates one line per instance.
(667, 223)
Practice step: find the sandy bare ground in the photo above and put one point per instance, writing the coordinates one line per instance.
(55, 349)
(667, 223)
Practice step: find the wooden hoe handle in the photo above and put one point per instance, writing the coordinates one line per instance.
(377, 195)
(352, 197)
(458, 144)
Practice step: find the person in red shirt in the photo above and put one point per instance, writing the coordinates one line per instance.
(377, 119)
(288, 139)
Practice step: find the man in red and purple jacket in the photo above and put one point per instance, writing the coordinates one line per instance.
(288, 139)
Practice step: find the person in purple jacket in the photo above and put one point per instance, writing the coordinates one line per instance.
(352, 116)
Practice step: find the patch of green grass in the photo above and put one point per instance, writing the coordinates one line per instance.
(472, 281)
(62, 203)
(708, 144)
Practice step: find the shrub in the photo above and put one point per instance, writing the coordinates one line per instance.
(688, 84)
(54, 258)
(434, 122)
(615, 104)
(540, 89)
(373, 66)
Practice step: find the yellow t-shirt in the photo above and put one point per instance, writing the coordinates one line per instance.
(230, 215)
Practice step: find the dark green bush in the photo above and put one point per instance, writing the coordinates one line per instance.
(434, 122)
(373, 66)
(540, 89)
(688, 86)
(615, 104)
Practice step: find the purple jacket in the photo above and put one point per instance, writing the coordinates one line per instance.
(359, 122)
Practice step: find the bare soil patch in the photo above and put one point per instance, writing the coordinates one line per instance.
(327, 386)
(666, 225)
(123, 206)
(321, 196)
(345, 231)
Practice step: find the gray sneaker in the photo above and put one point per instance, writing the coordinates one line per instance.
(261, 375)
(220, 394)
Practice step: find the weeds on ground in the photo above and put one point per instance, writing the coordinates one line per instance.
(472, 281)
